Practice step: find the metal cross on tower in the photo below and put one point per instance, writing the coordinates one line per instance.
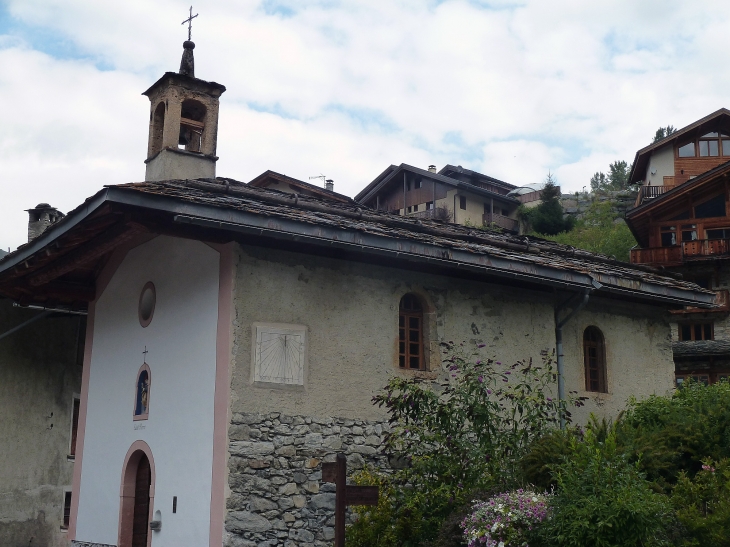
(189, 21)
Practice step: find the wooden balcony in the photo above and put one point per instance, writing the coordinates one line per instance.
(657, 255)
(650, 192)
(678, 254)
(499, 221)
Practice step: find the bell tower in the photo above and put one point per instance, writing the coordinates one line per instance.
(183, 123)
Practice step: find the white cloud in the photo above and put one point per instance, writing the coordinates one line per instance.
(512, 89)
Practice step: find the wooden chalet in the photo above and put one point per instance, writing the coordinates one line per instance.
(453, 194)
(682, 224)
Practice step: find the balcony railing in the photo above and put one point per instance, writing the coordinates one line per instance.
(688, 250)
(506, 223)
(650, 192)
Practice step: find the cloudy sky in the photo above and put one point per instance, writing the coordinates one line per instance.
(513, 89)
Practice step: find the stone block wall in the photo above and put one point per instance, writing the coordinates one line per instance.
(275, 476)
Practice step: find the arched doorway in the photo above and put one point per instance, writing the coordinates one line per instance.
(141, 519)
(137, 497)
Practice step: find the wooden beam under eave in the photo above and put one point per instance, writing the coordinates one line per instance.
(86, 253)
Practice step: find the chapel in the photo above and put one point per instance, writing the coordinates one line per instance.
(236, 333)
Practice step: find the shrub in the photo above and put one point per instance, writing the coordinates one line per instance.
(703, 505)
(506, 519)
(465, 435)
(603, 500)
(670, 435)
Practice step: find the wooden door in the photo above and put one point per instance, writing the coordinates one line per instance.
(140, 524)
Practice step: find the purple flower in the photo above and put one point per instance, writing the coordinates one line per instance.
(481, 379)
(481, 345)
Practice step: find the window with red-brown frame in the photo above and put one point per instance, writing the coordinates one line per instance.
(594, 360)
(410, 333)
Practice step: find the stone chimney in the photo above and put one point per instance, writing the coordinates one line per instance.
(40, 218)
(432, 168)
(329, 185)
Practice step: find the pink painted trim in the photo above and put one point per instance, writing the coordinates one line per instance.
(101, 283)
(79, 457)
(127, 490)
(137, 417)
(222, 392)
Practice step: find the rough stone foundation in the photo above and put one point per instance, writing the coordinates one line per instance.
(275, 476)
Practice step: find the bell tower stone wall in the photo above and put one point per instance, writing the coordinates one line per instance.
(183, 131)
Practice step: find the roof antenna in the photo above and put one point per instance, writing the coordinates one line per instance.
(329, 184)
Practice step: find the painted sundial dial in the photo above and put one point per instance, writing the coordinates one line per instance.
(279, 356)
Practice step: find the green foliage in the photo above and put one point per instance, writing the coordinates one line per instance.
(617, 178)
(703, 505)
(600, 231)
(545, 455)
(548, 218)
(663, 132)
(675, 434)
(602, 500)
(464, 436)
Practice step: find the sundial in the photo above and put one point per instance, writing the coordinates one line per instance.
(279, 356)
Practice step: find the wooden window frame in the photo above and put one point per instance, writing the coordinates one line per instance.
(410, 320)
(75, 409)
(594, 361)
(712, 377)
(462, 203)
(67, 501)
(696, 142)
(693, 334)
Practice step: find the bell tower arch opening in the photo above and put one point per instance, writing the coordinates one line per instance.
(157, 126)
(192, 125)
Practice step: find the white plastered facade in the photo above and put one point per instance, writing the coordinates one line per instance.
(181, 345)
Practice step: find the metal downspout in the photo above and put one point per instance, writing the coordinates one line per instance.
(559, 343)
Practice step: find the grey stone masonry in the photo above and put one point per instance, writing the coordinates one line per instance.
(275, 476)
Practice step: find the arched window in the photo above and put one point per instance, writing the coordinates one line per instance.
(594, 359)
(410, 333)
(158, 126)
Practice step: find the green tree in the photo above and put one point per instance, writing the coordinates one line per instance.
(663, 133)
(617, 178)
(618, 175)
(599, 231)
(599, 181)
(547, 218)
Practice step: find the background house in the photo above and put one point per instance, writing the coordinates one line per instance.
(453, 194)
(684, 227)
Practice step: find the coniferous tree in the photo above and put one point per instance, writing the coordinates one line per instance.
(547, 218)
(663, 133)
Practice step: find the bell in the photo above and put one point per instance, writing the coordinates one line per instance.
(183, 140)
